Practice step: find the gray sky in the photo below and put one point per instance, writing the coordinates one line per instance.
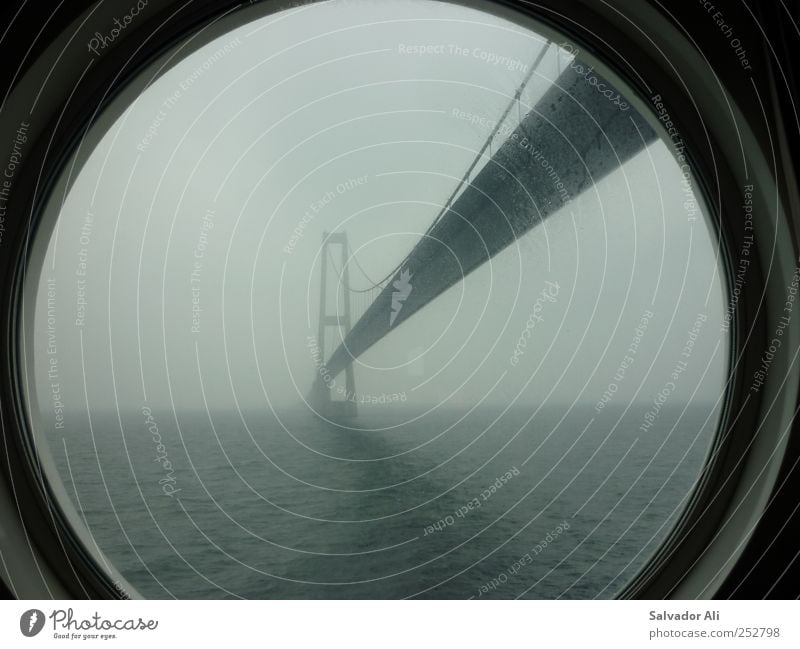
(255, 137)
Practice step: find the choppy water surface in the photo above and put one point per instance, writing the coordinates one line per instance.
(443, 504)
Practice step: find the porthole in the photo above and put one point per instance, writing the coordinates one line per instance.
(389, 300)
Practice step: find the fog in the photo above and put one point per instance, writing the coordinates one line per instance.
(195, 281)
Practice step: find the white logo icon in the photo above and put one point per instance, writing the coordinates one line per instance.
(31, 622)
(403, 290)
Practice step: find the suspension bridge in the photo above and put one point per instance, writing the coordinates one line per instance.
(574, 136)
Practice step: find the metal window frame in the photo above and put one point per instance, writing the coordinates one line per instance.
(50, 558)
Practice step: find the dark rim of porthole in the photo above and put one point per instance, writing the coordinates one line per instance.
(602, 28)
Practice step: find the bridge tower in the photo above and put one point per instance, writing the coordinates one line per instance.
(327, 398)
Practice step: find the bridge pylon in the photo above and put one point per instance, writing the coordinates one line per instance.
(328, 397)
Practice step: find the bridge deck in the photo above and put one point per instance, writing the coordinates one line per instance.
(573, 137)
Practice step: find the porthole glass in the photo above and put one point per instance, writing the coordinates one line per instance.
(377, 300)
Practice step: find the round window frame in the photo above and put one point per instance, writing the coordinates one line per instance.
(692, 561)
